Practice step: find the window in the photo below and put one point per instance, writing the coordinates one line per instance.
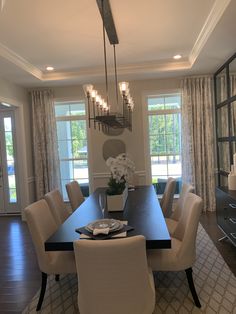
(10, 159)
(72, 144)
(164, 125)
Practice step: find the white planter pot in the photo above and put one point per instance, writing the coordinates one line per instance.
(117, 202)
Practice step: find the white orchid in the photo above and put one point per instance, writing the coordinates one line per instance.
(122, 169)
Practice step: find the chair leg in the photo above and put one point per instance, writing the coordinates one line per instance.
(42, 292)
(57, 277)
(191, 286)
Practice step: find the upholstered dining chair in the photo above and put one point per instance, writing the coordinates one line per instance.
(57, 206)
(168, 196)
(41, 226)
(114, 276)
(172, 222)
(182, 254)
(75, 194)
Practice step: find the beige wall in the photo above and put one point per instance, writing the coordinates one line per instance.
(135, 140)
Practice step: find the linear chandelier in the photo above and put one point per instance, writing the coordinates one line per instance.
(99, 109)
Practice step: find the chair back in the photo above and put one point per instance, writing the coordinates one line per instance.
(168, 196)
(75, 195)
(186, 230)
(113, 276)
(57, 206)
(41, 225)
(186, 188)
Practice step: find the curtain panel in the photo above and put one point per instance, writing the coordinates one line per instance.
(198, 138)
(46, 160)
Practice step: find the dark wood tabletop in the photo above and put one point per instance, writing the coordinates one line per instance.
(142, 211)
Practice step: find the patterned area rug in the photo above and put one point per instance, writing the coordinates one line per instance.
(214, 282)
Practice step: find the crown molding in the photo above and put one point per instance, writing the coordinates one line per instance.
(152, 67)
(90, 72)
(16, 59)
(208, 27)
(159, 66)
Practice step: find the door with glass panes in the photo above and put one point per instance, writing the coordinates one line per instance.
(9, 197)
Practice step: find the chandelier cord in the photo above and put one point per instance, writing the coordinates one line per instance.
(104, 50)
(116, 82)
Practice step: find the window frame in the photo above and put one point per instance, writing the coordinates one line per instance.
(77, 118)
(146, 113)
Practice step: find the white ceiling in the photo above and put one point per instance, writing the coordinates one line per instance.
(68, 36)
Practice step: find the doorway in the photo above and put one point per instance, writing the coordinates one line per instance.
(9, 196)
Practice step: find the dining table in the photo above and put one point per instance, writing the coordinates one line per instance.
(142, 212)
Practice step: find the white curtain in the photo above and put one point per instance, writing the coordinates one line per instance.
(46, 161)
(198, 138)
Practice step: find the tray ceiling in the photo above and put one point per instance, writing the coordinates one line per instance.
(68, 36)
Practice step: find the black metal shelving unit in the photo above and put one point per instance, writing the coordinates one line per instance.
(225, 113)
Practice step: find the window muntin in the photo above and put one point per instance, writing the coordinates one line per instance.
(164, 102)
(72, 143)
(70, 109)
(164, 126)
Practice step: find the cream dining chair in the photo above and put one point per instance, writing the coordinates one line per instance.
(57, 206)
(172, 222)
(75, 195)
(182, 254)
(168, 196)
(41, 226)
(114, 277)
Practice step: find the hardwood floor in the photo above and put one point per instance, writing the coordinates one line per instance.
(20, 277)
(19, 274)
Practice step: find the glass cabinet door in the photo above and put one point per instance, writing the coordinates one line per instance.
(233, 118)
(222, 122)
(225, 105)
(232, 77)
(224, 157)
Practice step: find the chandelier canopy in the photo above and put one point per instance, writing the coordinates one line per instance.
(99, 109)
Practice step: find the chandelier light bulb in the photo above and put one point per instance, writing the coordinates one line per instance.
(123, 86)
(88, 89)
(131, 106)
(104, 106)
(93, 93)
(98, 100)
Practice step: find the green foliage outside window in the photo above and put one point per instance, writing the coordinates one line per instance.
(9, 145)
(79, 141)
(164, 134)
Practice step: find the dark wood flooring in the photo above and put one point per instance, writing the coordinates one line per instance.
(19, 274)
(20, 277)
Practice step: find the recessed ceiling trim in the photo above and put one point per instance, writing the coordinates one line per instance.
(159, 66)
(93, 72)
(213, 18)
(123, 70)
(19, 61)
